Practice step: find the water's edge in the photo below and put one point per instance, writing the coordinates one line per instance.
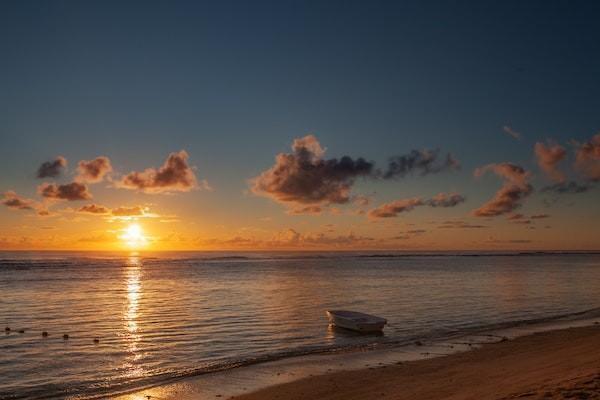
(253, 374)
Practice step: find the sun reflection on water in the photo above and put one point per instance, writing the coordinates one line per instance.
(133, 273)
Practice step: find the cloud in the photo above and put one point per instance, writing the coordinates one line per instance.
(570, 187)
(175, 175)
(510, 196)
(587, 158)
(306, 210)
(305, 177)
(93, 171)
(446, 200)
(511, 132)
(13, 200)
(290, 238)
(460, 225)
(122, 212)
(52, 169)
(539, 216)
(548, 158)
(392, 209)
(71, 191)
(94, 209)
(423, 162)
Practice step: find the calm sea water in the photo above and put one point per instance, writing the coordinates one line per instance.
(162, 316)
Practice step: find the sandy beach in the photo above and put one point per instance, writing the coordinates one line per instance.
(550, 365)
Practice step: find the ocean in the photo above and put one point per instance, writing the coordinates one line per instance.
(160, 316)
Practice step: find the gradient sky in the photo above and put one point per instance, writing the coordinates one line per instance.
(233, 84)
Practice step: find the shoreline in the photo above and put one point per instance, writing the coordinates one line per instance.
(286, 378)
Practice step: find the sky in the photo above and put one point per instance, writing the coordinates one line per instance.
(300, 125)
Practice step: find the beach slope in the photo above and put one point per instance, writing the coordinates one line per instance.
(550, 365)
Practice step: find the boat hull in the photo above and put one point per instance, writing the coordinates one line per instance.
(357, 322)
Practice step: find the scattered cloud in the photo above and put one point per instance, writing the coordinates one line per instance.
(290, 238)
(511, 132)
(509, 197)
(93, 171)
(94, 209)
(175, 175)
(548, 157)
(52, 169)
(539, 216)
(306, 210)
(446, 200)
(119, 212)
(305, 177)
(14, 201)
(570, 187)
(458, 224)
(587, 158)
(392, 209)
(423, 162)
(71, 191)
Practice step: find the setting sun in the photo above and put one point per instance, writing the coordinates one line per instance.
(133, 236)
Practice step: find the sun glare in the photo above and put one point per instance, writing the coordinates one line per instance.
(133, 236)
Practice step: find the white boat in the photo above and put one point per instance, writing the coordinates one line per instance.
(356, 321)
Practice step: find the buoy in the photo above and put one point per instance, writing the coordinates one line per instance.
(7, 329)
(45, 334)
(21, 330)
(96, 340)
(65, 336)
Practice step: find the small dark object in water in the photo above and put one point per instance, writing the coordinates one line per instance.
(419, 343)
(7, 329)
(45, 334)
(21, 330)
(504, 339)
(96, 340)
(596, 323)
(65, 336)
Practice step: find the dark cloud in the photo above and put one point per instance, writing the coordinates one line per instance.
(174, 175)
(516, 187)
(539, 216)
(16, 202)
(70, 191)
(392, 209)
(93, 171)
(570, 187)
(587, 158)
(548, 157)
(305, 177)
(52, 169)
(446, 200)
(423, 162)
(94, 209)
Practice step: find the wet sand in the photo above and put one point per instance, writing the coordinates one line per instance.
(552, 364)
